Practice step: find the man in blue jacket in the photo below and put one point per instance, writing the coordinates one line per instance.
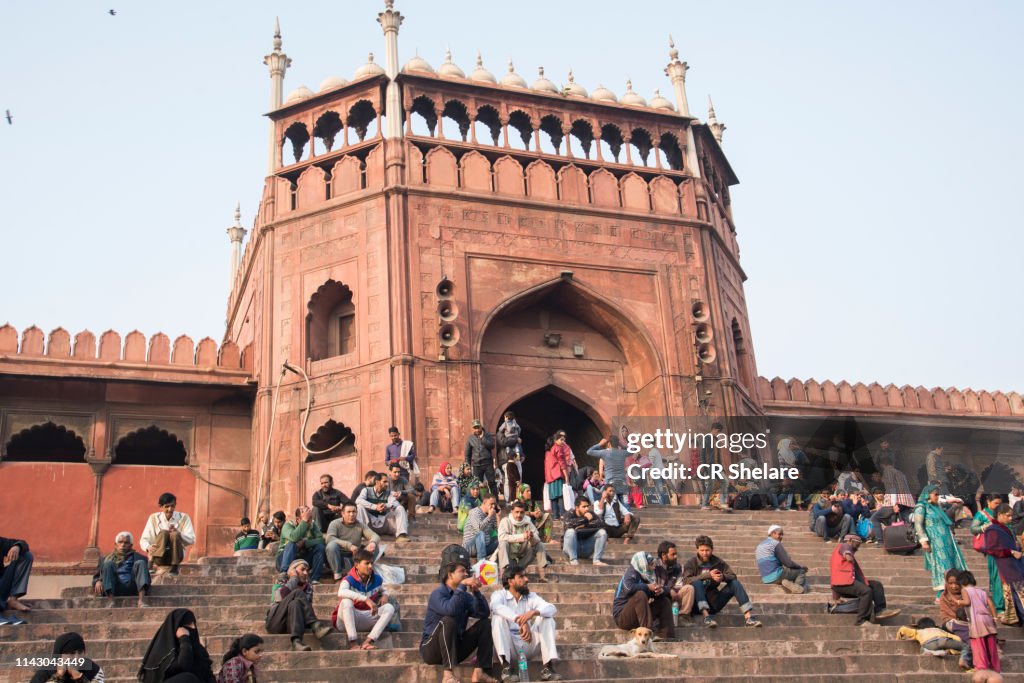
(828, 519)
(446, 640)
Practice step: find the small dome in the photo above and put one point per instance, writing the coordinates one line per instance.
(603, 94)
(480, 73)
(630, 97)
(512, 79)
(417, 63)
(574, 89)
(332, 82)
(543, 84)
(448, 68)
(299, 94)
(368, 69)
(659, 102)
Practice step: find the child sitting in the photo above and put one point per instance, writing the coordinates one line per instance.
(933, 640)
(247, 539)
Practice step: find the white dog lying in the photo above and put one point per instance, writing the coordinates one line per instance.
(639, 645)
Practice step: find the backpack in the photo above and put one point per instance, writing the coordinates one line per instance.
(453, 553)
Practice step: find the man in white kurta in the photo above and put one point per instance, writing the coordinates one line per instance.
(521, 619)
(167, 534)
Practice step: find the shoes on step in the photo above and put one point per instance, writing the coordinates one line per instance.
(549, 674)
(321, 629)
(886, 614)
(710, 623)
(791, 586)
(300, 646)
(752, 622)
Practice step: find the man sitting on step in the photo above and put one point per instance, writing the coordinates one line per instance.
(302, 539)
(715, 584)
(519, 541)
(480, 535)
(14, 574)
(618, 521)
(668, 573)
(775, 565)
(167, 534)
(446, 639)
(364, 605)
(848, 581)
(828, 519)
(522, 621)
(292, 611)
(345, 536)
(640, 601)
(381, 511)
(122, 572)
(585, 535)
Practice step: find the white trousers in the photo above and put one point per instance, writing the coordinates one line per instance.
(394, 523)
(507, 643)
(355, 620)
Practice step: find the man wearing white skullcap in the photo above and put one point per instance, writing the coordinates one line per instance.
(775, 565)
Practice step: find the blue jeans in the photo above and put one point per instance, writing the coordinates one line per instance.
(731, 589)
(824, 531)
(481, 545)
(592, 546)
(435, 498)
(340, 560)
(14, 578)
(112, 585)
(315, 555)
(780, 499)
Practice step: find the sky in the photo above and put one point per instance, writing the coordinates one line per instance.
(877, 146)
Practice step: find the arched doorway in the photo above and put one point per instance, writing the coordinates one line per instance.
(540, 414)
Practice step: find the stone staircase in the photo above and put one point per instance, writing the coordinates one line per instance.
(799, 641)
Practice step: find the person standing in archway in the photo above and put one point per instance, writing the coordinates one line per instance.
(479, 455)
(557, 461)
(510, 454)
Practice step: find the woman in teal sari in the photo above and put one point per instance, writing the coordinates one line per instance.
(935, 533)
(982, 521)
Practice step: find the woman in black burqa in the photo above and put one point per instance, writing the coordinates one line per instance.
(175, 654)
(69, 646)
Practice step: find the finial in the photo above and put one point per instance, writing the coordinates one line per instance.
(370, 58)
(479, 60)
(511, 68)
(629, 85)
(389, 4)
(673, 53)
(540, 70)
(448, 54)
(277, 34)
(238, 214)
(571, 78)
(717, 129)
(711, 110)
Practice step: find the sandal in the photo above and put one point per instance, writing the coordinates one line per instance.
(449, 677)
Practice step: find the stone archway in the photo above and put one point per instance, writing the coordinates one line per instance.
(540, 414)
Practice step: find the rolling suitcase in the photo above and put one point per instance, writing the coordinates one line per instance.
(899, 538)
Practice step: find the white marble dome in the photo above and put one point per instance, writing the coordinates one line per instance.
(603, 94)
(332, 82)
(368, 69)
(574, 89)
(480, 73)
(512, 79)
(542, 84)
(450, 69)
(630, 97)
(659, 102)
(417, 63)
(299, 94)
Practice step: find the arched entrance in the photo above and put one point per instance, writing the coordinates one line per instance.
(540, 414)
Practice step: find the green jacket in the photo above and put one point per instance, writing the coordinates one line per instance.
(304, 531)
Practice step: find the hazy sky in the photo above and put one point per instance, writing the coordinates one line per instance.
(877, 143)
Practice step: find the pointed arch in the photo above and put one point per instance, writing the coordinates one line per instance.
(150, 446)
(329, 434)
(331, 321)
(46, 442)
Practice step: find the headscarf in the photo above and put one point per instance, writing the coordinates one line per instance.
(931, 510)
(67, 644)
(523, 487)
(786, 455)
(641, 562)
(163, 649)
(443, 467)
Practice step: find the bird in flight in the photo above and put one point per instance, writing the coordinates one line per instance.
(112, 12)
(10, 119)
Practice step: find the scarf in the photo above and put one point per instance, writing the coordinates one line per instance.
(163, 649)
(641, 562)
(444, 466)
(64, 646)
(931, 510)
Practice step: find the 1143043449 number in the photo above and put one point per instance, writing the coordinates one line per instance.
(55, 662)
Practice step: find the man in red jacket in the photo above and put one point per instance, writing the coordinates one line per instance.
(848, 581)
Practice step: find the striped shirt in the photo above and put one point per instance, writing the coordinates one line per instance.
(897, 490)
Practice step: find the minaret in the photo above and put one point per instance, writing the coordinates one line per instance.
(676, 71)
(390, 20)
(716, 128)
(278, 62)
(236, 233)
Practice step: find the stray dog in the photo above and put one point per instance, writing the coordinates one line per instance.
(639, 645)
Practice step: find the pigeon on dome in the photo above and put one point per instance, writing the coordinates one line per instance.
(630, 97)
(299, 94)
(332, 82)
(417, 63)
(368, 69)
(480, 73)
(603, 94)
(450, 69)
(512, 79)
(659, 102)
(574, 89)
(542, 84)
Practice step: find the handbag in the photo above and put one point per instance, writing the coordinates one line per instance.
(979, 543)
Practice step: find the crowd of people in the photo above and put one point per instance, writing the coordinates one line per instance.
(501, 521)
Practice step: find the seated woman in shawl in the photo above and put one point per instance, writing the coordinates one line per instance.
(240, 660)
(1002, 544)
(935, 533)
(69, 647)
(444, 490)
(535, 511)
(175, 654)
